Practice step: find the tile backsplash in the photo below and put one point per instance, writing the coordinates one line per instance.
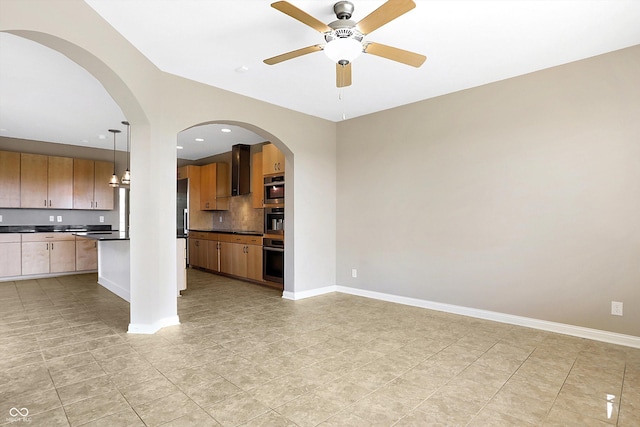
(241, 216)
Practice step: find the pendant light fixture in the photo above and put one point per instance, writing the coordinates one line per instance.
(126, 177)
(114, 181)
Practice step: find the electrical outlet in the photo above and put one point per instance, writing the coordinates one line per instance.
(616, 308)
(59, 218)
(51, 219)
(101, 218)
(0, 218)
(220, 218)
(354, 273)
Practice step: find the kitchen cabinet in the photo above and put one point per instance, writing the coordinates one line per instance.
(46, 181)
(10, 255)
(91, 188)
(197, 219)
(48, 253)
(257, 182)
(203, 250)
(214, 187)
(9, 179)
(86, 254)
(272, 160)
(241, 256)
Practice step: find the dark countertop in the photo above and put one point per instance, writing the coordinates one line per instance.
(104, 235)
(53, 228)
(243, 232)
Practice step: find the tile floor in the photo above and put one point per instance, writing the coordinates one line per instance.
(245, 356)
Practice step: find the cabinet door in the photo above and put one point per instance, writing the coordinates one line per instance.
(213, 262)
(272, 160)
(10, 264)
(60, 182)
(9, 179)
(62, 256)
(257, 181)
(198, 253)
(102, 193)
(208, 187)
(33, 181)
(83, 181)
(232, 259)
(35, 257)
(86, 254)
(254, 262)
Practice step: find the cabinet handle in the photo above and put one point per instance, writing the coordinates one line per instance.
(49, 203)
(47, 246)
(51, 246)
(96, 205)
(45, 203)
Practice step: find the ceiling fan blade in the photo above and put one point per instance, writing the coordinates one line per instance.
(292, 54)
(384, 14)
(343, 75)
(395, 54)
(302, 16)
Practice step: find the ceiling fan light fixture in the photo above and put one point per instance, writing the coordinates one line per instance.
(343, 50)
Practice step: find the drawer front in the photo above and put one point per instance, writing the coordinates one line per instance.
(203, 235)
(47, 237)
(9, 238)
(242, 239)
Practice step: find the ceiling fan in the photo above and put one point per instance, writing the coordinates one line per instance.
(344, 37)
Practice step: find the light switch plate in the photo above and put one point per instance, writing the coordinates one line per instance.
(59, 218)
(0, 218)
(51, 218)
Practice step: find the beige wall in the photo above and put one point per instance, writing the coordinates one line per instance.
(158, 106)
(520, 197)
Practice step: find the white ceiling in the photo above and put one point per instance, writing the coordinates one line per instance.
(467, 43)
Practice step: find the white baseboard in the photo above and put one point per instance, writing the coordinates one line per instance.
(115, 288)
(308, 294)
(561, 328)
(140, 328)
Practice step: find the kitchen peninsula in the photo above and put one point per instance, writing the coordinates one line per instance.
(114, 262)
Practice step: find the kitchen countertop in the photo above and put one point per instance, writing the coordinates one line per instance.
(104, 235)
(53, 228)
(243, 232)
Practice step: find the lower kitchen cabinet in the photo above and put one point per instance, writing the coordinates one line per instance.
(44, 253)
(198, 252)
(10, 264)
(241, 260)
(86, 254)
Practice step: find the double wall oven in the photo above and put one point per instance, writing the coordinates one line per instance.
(273, 244)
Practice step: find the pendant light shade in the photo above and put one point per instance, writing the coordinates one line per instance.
(114, 181)
(126, 177)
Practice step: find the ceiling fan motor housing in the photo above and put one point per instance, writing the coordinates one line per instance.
(343, 9)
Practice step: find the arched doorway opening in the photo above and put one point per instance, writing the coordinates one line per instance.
(213, 142)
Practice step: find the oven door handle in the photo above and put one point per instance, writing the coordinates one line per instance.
(266, 248)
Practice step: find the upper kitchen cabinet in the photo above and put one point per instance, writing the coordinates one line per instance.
(46, 181)
(257, 187)
(272, 160)
(9, 179)
(91, 188)
(214, 187)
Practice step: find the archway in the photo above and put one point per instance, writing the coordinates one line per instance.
(289, 188)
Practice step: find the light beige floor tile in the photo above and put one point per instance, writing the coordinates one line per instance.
(237, 409)
(346, 418)
(592, 407)
(35, 402)
(95, 407)
(207, 394)
(165, 409)
(76, 374)
(489, 418)
(270, 419)
(84, 389)
(379, 410)
(558, 417)
(145, 392)
(52, 418)
(525, 408)
(126, 418)
(197, 418)
(309, 410)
